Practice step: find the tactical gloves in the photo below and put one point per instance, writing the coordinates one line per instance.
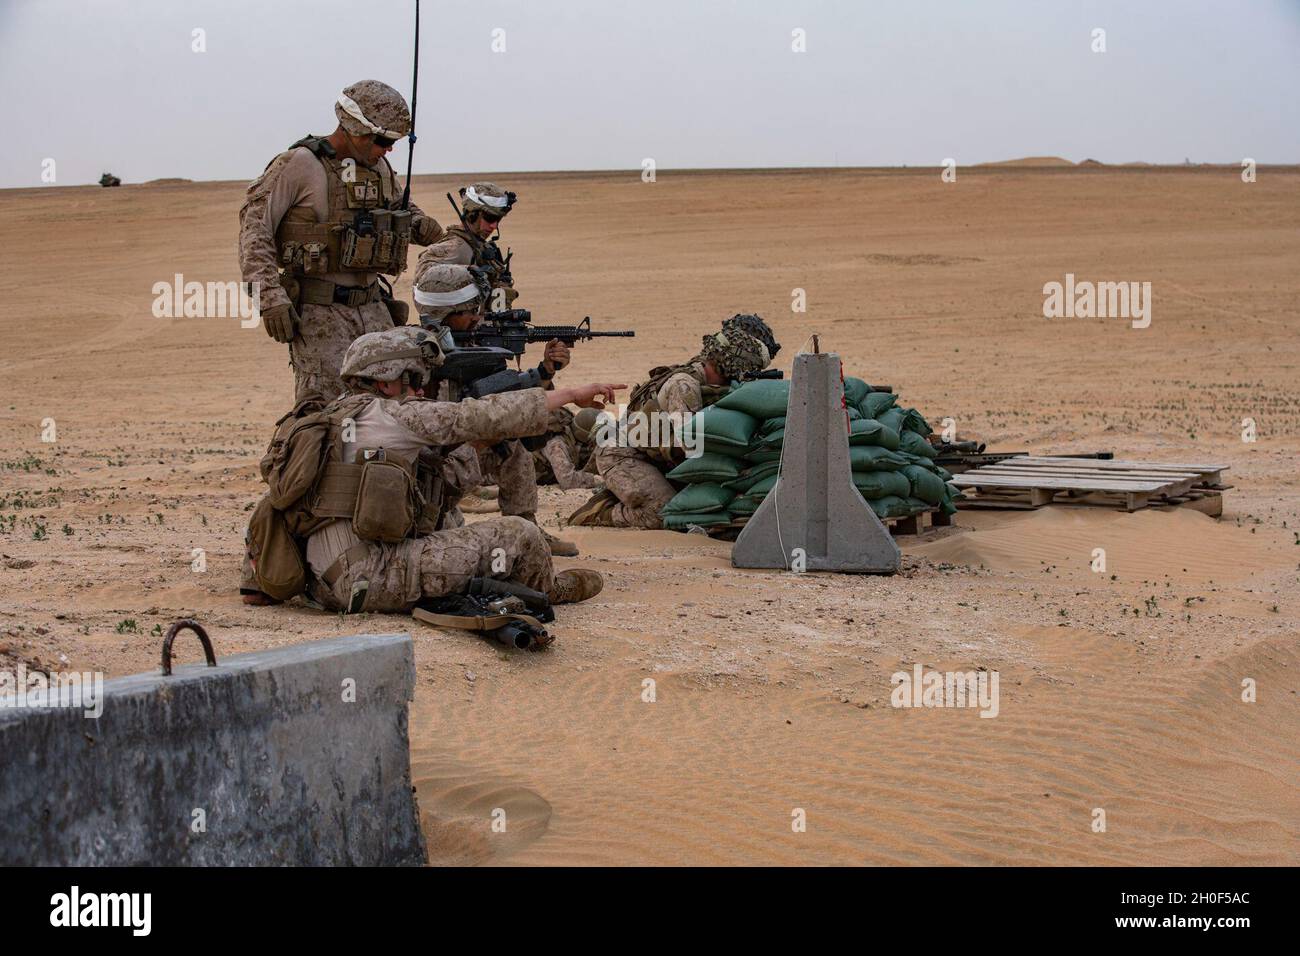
(281, 322)
(425, 230)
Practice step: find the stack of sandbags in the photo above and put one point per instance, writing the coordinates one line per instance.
(725, 436)
(889, 452)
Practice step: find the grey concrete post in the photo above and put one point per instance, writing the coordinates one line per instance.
(814, 516)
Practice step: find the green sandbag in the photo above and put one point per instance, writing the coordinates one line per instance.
(764, 398)
(891, 506)
(878, 484)
(916, 505)
(926, 463)
(868, 431)
(751, 475)
(854, 414)
(725, 431)
(770, 427)
(893, 417)
(874, 458)
(705, 519)
(699, 499)
(913, 422)
(709, 466)
(912, 443)
(758, 491)
(743, 507)
(772, 440)
(926, 485)
(876, 402)
(855, 390)
(943, 472)
(762, 455)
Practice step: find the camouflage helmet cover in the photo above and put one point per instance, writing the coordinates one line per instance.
(370, 107)
(755, 326)
(385, 356)
(734, 353)
(486, 197)
(445, 288)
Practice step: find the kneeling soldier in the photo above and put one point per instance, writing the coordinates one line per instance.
(451, 298)
(362, 481)
(636, 486)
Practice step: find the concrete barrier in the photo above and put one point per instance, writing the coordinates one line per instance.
(814, 509)
(297, 756)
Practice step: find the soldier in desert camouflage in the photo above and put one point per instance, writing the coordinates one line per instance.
(471, 243)
(319, 228)
(636, 486)
(448, 297)
(570, 441)
(355, 569)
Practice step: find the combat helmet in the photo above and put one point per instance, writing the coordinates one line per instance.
(734, 352)
(755, 326)
(445, 288)
(486, 197)
(386, 356)
(585, 423)
(373, 108)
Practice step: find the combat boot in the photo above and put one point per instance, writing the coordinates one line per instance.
(597, 512)
(480, 501)
(577, 585)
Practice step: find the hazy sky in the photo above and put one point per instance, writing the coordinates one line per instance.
(114, 84)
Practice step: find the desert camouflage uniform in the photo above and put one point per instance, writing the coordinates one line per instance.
(398, 575)
(295, 188)
(636, 488)
(510, 465)
(631, 476)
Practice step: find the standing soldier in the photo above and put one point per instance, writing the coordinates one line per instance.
(636, 486)
(321, 225)
(483, 206)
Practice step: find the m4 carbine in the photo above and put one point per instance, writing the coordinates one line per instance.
(513, 330)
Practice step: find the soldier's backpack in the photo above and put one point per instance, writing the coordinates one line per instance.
(279, 558)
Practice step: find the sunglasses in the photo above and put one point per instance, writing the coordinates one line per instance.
(383, 141)
(491, 218)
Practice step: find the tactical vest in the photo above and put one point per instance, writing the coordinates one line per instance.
(364, 232)
(645, 399)
(487, 256)
(387, 496)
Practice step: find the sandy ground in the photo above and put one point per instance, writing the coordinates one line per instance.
(1119, 691)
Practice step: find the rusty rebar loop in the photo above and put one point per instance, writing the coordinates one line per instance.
(186, 624)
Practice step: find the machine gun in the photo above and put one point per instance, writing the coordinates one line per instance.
(512, 330)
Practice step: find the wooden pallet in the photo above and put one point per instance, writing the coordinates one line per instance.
(1034, 481)
(911, 524)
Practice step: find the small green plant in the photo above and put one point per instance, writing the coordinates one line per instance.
(39, 533)
(128, 626)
